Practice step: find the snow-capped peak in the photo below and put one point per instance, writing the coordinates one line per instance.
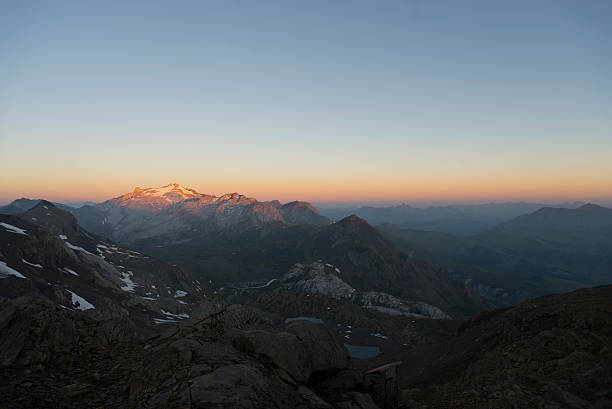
(160, 197)
(172, 192)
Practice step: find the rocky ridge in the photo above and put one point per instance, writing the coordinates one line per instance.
(323, 279)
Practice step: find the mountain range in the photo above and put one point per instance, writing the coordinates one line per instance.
(460, 220)
(233, 238)
(80, 313)
(211, 243)
(123, 313)
(173, 212)
(549, 250)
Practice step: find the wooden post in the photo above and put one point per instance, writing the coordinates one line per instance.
(389, 372)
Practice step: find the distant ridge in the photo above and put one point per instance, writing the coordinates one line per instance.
(461, 220)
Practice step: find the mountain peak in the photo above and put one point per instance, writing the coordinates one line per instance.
(301, 204)
(591, 207)
(172, 192)
(353, 223)
(44, 203)
(352, 219)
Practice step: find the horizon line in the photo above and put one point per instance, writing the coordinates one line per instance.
(378, 202)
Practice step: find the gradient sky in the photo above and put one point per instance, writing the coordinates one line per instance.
(311, 100)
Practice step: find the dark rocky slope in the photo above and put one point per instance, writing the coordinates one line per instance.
(52, 258)
(57, 358)
(549, 352)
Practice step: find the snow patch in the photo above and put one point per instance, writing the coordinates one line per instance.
(80, 303)
(69, 271)
(128, 284)
(180, 293)
(31, 264)
(73, 247)
(178, 316)
(163, 321)
(263, 286)
(61, 236)
(6, 271)
(13, 229)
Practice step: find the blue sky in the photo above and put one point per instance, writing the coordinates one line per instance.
(403, 100)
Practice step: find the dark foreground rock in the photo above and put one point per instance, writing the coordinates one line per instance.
(54, 357)
(549, 352)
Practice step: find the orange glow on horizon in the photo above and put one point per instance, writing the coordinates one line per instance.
(338, 188)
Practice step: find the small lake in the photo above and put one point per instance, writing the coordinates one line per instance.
(362, 351)
(311, 319)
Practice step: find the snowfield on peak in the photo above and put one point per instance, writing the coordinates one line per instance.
(172, 192)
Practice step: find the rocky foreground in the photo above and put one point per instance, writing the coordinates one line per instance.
(54, 357)
(550, 352)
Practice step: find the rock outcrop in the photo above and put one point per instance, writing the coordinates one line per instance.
(391, 305)
(301, 349)
(319, 278)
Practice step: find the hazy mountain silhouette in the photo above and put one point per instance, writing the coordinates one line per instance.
(461, 220)
(550, 250)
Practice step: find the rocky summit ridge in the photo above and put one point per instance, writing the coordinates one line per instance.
(174, 212)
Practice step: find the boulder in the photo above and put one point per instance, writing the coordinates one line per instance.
(301, 350)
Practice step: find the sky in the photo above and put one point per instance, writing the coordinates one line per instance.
(327, 101)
